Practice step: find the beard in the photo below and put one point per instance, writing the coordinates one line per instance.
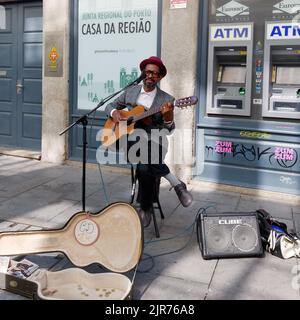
(149, 85)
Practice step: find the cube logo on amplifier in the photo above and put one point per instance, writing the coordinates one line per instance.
(229, 235)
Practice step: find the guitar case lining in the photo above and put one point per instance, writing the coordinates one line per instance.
(113, 238)
(75, 283)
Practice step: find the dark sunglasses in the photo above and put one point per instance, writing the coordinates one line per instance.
(154, 74)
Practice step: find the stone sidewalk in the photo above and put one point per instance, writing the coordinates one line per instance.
(37, 195)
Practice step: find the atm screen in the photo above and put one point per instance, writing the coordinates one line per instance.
(234, 74)
(288, 75)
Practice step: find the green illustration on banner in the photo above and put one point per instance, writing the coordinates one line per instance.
(87, 87)
(109, 87)
(125, 78)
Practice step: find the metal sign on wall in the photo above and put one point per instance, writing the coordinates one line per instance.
(113, 38)
(178, 4)
(232, 9)
(287, 6)
(242, 10)
(53, 55)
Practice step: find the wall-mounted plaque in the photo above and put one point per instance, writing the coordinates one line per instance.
(53, 55)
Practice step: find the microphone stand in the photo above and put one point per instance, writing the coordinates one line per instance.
(84, 121)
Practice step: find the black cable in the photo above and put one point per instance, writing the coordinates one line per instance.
(195, 223)
(103, 184)
(152, 260)
(162, 254)
(170, 238)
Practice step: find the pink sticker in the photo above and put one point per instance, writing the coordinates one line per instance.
(223, 147)
(284, 154)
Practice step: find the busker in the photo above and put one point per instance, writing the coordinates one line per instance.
(149, 95)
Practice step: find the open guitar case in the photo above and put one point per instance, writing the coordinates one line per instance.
(112, 238)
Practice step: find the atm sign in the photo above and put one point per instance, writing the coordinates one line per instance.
(230, 32)
(283, 31)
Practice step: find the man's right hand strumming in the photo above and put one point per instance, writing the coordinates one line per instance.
(117, 116)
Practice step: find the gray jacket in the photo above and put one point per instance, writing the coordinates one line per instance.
(128, 99)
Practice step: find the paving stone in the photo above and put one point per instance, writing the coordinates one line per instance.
(179, 260)
(5, 295)
(7, 226)
(34, 228)
(296, 219)
(275, 207)
(16, 184)
(267, 278)
(63, 263)
(22, 209)
(141, 284)
(169, 288)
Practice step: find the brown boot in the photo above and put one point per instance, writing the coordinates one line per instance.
(183, 194)
(145, 216)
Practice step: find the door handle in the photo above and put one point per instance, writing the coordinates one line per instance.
(19, 87)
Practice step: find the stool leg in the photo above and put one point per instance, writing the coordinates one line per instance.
(160, 209)
(133, 184)
(155, 225)
(133, 191)
(157, 200)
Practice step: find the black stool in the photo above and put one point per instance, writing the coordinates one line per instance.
(156, 203)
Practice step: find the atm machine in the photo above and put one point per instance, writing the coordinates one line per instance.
(281, 86)
(230, 69)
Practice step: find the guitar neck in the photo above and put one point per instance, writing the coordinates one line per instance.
(30, 242)
(181, 103)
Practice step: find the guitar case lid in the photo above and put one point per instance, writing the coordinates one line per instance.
(112, 237)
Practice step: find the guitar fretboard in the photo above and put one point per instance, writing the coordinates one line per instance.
(149, 113)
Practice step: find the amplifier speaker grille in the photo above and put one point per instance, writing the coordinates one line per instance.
(229, 235)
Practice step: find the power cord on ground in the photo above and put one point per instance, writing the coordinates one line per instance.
(149, 256)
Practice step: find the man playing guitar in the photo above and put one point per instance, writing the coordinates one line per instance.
(149, 95)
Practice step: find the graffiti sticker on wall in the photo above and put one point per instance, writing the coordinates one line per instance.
(284, 154)
(283, 157)
(223, 147)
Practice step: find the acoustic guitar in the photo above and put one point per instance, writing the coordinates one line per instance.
(113, 131)
(112, 238)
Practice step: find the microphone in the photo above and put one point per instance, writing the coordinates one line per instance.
(140, 78)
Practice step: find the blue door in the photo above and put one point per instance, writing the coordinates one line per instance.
(21, 75)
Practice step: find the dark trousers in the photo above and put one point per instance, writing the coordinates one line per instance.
(149, 176)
